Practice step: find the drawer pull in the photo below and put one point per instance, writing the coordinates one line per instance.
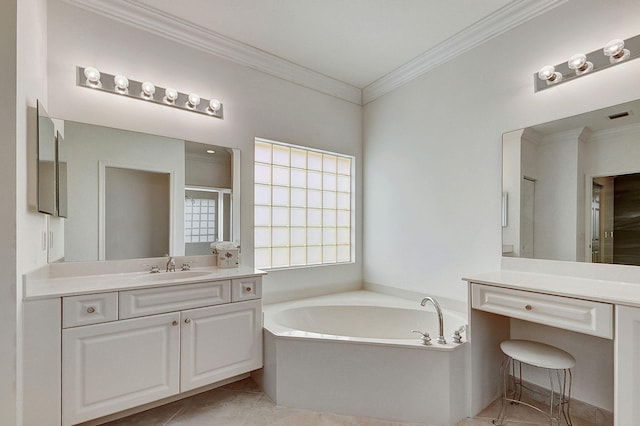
(528, 307)
(248, 289)
(174, 323)
(91, 309)
(187, 321)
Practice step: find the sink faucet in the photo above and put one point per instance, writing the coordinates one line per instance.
(171, 264)
(441, 340)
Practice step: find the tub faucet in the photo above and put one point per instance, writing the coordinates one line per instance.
(441, 340)
(171, 264)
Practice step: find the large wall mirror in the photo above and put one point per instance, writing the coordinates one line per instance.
(134, 195)
(573, 188)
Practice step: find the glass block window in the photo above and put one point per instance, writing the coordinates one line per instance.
(200, 224)
(303, 206)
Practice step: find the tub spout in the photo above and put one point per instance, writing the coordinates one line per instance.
(441, 340)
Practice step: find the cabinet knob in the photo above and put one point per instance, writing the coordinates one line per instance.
(187, 321)
(528, 307)
(247, 289)
(91, 309)
(174, 323)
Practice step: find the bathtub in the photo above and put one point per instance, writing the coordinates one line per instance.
(354, 353)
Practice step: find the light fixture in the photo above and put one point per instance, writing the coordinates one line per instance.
(214, 106)
(549, 74)
(193, 100)
(579, 64)
(121, 82)
(170, 95)
(148, 90)
(613, 53)
(145, 90)
(93, 76)
(210, 151)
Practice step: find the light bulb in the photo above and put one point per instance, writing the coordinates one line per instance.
(148, 89)
(170, 95)
(615, 51)
(92, 75)
(579, 64)
(214, 105)
(121, 82)
(193, 100)
(549, 74)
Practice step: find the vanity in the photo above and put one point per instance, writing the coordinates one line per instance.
(101, 338)
(588, 300)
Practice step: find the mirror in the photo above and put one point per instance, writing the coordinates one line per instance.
(46, 162)
(134, 195)
(573, 188)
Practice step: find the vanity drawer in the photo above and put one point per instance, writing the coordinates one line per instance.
(583, 316)
(89, 309)
(246, 289)
(143, 302)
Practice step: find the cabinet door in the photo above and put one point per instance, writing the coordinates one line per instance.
(219, 342)
(110, 367)
(627, 369)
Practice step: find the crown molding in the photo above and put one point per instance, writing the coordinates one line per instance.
(499, 22)
(136, 14)
(173, 28)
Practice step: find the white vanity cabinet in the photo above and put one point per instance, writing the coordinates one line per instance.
(627, 363)
(123, 346)
(113, 366)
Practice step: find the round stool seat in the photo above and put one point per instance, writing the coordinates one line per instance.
(538, 354)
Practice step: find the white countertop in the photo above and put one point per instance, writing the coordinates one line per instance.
(616, 292)
(42, 287)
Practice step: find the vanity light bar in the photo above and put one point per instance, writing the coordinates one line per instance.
(613, 53)
(118, 84)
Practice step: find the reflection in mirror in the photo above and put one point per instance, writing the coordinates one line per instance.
(573, 188)
(46, 162)
(128, 193)
(61, 176)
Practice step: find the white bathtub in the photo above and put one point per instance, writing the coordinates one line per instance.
(353, 353)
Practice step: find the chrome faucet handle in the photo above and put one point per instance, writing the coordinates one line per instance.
(154, 269)
(185, 267)
(456, 338)
(426, 340)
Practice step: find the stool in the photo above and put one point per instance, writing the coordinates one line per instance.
(542, 356)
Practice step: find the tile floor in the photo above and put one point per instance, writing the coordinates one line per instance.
(243, 404)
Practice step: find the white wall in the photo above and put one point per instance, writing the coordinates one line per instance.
(255, 105)
(438, 141)
(23, 76)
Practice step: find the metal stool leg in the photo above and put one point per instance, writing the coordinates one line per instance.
(505, 378)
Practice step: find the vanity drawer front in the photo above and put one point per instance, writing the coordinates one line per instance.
(143, 302)
(246, 289)
(89, 309)
(583, 316)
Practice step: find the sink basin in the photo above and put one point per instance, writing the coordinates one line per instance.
(168, 276)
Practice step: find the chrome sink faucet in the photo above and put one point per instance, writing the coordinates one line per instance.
(441, 340)
(171, 264)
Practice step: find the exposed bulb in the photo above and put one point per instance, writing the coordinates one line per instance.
(121, 82)
(214, 105)
(549, 74)
(92, 75)
(193, 100)
(170, 95)
(579, 64)
(148, 89)
(615, 51)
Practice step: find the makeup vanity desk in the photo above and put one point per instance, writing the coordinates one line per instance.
(558, 298)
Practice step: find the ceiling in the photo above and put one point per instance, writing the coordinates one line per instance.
(353, 49)
(354, 41)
